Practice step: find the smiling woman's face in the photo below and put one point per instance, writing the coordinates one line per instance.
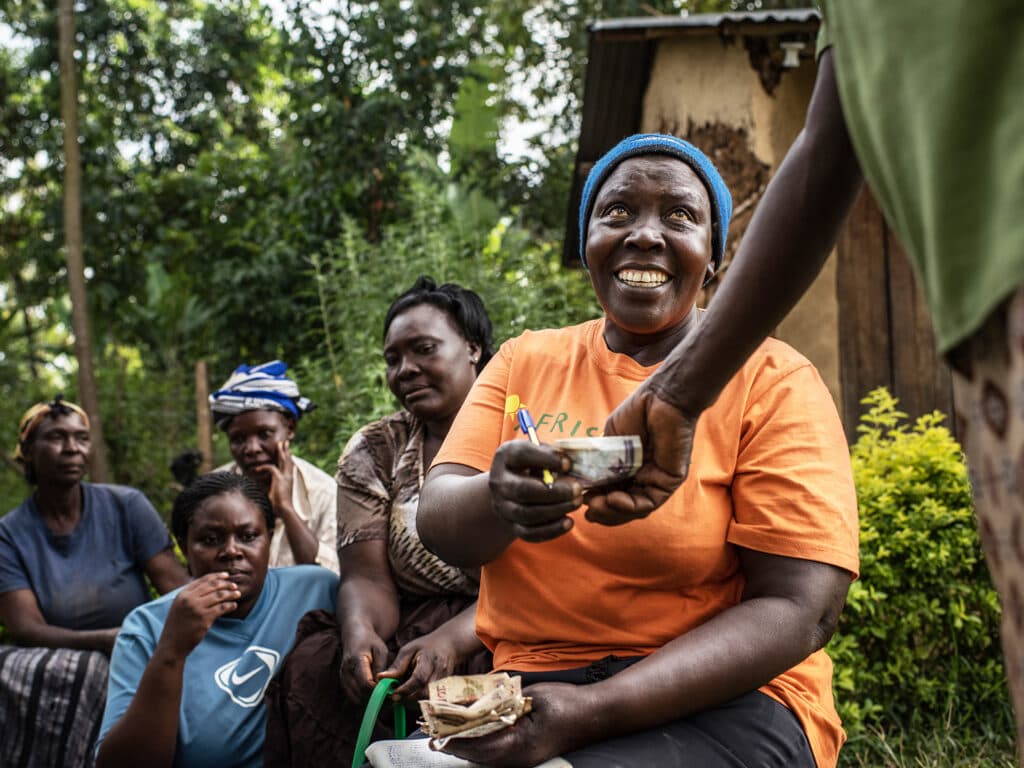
(648, 248)
(229, 533)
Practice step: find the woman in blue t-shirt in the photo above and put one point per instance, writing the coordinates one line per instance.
(74, 558)
(189, 670)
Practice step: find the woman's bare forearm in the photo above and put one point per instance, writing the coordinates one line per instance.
(733, 654)
(20, 613)
(462, 629)
(303, 543)
(150, 724)
(367, 601)
(49, 636)
(737, 651)
(456, 519)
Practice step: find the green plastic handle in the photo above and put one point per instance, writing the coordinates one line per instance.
(377, 698)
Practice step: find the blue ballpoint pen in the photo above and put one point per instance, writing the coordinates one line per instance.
(530, 430)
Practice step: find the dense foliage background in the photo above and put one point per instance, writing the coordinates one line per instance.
(262, 178)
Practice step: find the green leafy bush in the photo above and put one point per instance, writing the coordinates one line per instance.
(918, 641)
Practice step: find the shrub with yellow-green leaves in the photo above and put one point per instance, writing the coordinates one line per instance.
(918, 640)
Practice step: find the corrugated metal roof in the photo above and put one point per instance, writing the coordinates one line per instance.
(619, 61)
(707, 20)
(613, 96)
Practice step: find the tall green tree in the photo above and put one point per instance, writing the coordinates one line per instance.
(175, 121)
(226, 145)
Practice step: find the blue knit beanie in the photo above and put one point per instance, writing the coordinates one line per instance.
(661, 144)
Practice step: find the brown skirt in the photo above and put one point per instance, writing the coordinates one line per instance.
(310, 721)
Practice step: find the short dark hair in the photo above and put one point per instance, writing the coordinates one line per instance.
(215, 484)
(463, 306)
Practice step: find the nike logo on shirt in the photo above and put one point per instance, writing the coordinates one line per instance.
(237, 679)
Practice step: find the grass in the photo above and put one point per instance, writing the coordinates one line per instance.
(940, 747)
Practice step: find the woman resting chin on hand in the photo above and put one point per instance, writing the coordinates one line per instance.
(259, 408)
(691, 636)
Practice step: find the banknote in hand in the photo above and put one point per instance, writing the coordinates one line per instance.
(598, 461)
(466, 706)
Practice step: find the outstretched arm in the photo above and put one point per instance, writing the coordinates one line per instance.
(789, 238)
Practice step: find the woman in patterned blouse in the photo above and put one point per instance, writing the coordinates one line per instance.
(402, 612)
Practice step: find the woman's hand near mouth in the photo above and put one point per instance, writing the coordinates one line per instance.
(197, 606)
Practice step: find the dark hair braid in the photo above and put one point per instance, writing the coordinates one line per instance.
(463, 306)
(215, 484)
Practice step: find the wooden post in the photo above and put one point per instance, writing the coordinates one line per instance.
(204, 420)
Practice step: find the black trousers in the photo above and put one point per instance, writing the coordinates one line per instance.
(751, 731)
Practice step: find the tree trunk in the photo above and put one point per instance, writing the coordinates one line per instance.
(73, 237)
(204, 420)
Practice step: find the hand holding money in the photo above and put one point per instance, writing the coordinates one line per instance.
(600, 461)
(467, 706)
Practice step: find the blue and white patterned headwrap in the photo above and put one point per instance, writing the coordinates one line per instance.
(661, 144)
(258, 388)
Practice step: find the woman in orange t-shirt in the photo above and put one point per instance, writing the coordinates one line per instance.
(692, 636)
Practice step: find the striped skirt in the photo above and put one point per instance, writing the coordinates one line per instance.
(51, 704)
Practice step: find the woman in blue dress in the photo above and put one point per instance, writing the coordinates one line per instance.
(74, 560)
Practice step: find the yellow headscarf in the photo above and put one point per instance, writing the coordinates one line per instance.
(34, 416)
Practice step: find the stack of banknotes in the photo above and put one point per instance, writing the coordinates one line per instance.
(466, 706)
(598, 461)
